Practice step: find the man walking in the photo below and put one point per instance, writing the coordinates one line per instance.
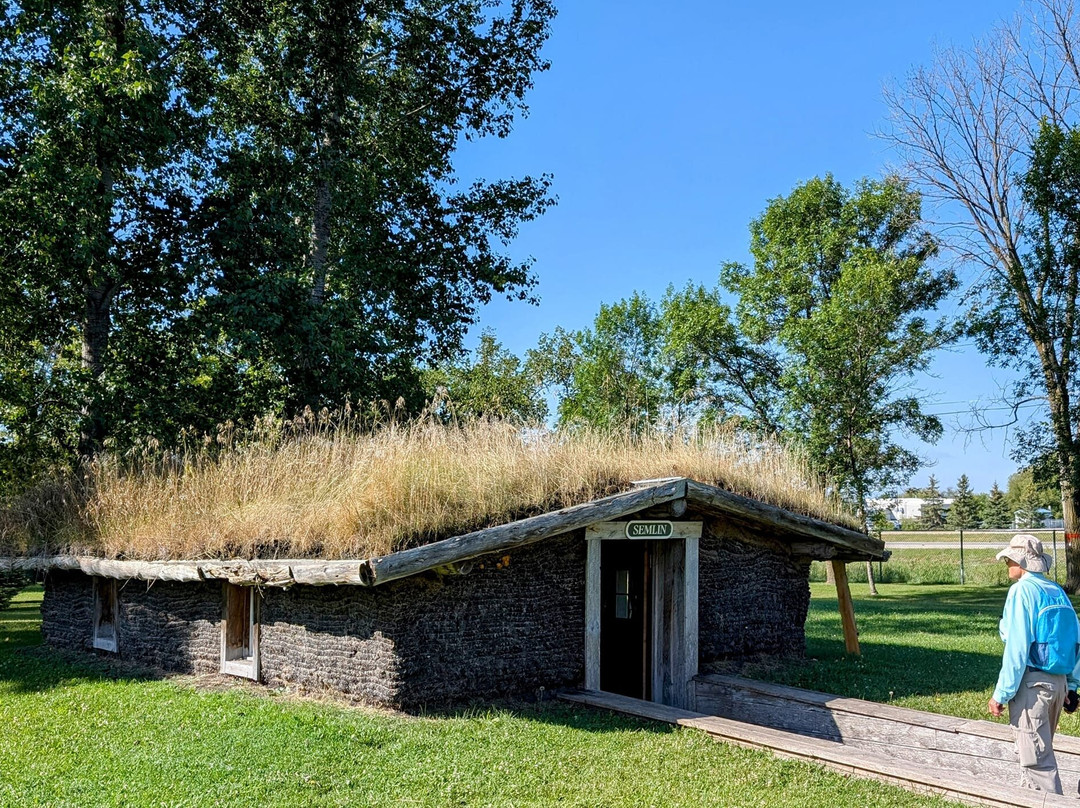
(1039, 673)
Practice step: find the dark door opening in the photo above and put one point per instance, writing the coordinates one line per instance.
(624, 618)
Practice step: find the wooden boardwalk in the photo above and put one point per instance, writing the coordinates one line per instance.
(968, 761)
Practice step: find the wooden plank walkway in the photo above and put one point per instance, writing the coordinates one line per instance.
(980, 748)
(924, 777)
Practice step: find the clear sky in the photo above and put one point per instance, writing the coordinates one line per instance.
(669, 126)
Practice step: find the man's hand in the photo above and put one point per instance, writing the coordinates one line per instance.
(1072, 701)
(997, 709)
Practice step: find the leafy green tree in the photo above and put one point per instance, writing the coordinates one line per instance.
(102, 126)
(714, 371)
(493, 383)
(343, 250)
(1025, 484)
(933, 511)
(964, 512)
(611, 375)
(841, 285)
(981, 501)
(210, 211)
(999, 513)
(1027, 514)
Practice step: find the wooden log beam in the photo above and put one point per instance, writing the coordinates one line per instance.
(516, 534)
(321, 573)
(847, 607)
(235, 571)
(717, 500)
(183, 571)
(241, 572)
(817, 550)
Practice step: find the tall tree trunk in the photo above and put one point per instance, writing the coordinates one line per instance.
(1068, 456)
(95, 344)
(1070, 513)
(1070, 510)
(320, 241)
(864, 519)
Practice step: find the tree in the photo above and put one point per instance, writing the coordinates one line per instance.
(1028, 498)
(840, 285)
(101, 128)
(611, 375)
(963, 514)
(211, 211)
(933, 512)
(493, 384)
(714, 371)
(987, 131)
(343, 250)
(999, 513)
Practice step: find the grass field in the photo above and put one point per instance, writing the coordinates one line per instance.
(993, 536)
(929, 567)
(937, 566)
(76, 734)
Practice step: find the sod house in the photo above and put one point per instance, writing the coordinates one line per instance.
(632, 593)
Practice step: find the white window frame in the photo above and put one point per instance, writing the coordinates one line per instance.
(106, 588)
(233, 661)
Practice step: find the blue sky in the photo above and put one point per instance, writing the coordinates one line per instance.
(668, 127)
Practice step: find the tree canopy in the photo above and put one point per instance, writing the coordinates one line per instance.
(841, 286)
(492, 382)
(211, 211)
(964, 512)
(610, 375)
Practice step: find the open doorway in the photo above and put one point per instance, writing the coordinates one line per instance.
(625, 625)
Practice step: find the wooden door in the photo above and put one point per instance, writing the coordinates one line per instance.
(624, 618)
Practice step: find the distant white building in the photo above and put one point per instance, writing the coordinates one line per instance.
(1044, 518)
(897, 509)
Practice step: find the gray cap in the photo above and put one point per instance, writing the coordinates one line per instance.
(1027, 551)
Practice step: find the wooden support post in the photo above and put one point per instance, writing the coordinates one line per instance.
(847, 608)
(690, 621)
(592, 614)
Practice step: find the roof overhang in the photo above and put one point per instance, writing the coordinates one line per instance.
(805, 536)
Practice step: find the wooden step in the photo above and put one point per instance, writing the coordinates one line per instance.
(980, 748)
(923, 778)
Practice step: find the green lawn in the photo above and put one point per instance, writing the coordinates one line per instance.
(994, 536)
(77, 734)
(931, 566)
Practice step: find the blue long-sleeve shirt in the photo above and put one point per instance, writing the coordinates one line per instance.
(1034, 595)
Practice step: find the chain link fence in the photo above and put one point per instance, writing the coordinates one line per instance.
(950, 557)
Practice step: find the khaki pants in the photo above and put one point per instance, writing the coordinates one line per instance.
(1034, 712)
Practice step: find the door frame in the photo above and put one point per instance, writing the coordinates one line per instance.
(673, 605)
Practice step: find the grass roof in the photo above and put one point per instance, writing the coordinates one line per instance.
(318, 487)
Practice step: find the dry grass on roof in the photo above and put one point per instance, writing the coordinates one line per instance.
(333, 491)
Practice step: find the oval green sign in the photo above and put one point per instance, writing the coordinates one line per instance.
(651, 529)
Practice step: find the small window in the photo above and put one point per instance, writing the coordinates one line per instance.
(622, 594)
(240, 632)
(105, 614)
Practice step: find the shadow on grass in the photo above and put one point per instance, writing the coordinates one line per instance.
(920, 642)
(554, 712)
(885, 672)
(27, 666)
